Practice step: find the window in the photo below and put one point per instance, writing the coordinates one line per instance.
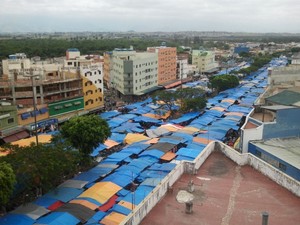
(10, 120)
(58, 107)
(70, 63)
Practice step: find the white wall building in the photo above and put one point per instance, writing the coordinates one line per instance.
(15, 65)
(134, 73)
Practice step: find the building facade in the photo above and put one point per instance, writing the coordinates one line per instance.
(167, 63)
(134, 73)
(205, 61)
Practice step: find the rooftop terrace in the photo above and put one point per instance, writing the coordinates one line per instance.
(226, 193)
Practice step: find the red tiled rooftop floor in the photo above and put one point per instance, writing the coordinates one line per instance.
(226, 193)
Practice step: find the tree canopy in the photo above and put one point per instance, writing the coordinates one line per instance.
(85, 133)
(39, 168)
(189, 99)
(7, 182)
(224, 82)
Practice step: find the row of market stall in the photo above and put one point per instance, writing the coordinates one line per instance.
(149, 149)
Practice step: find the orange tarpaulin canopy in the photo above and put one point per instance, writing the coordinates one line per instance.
(43, 138)
(228, 100)
(157, 116)
(110, 143)
(171, 127)
(85, 203)
(218, 108)
(189, 130)
(113, 218)
(201, 140)
(131, 138)
(152, 141)
(234, 114)
(168, 156)
(101, 191)
(127, 205)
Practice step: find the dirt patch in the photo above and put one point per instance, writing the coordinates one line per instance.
(199, 195)
(218, 168)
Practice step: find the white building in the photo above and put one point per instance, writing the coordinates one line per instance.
(134, 73)
(15, 64)
(205, 61)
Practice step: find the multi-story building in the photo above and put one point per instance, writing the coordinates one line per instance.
(91, 70)
(107, 67)
(182, 66)
(205, 61)
(50, 92)
(166, 63)
(134, 73)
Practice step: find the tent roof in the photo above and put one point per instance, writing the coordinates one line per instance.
(58, 218)
(168, 156)
(85, 203)
(64, 194)
(43, 138)
(162, 146)
(31, 210)
(79, 211)
(132, 138)
(16, 219)
(74, 184)
(101, 191)
(113, 218)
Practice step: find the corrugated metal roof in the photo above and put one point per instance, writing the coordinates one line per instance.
(286, 149)
(285, 97)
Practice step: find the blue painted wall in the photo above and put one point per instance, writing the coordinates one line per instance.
(287, 124)
(274, 161)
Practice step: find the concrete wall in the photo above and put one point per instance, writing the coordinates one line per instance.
(274, 174)
(137, 215)
(287, 124)
(139, 212)
(250, 134)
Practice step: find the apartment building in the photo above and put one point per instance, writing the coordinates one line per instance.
(205, 61)
(134, 73)
(182, 69)
(90, 68)
(52, 91)
(166, 63)
(107, 67)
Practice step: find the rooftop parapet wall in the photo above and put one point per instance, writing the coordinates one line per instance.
(137, 215)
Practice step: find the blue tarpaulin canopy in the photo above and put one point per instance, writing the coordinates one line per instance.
(146, 119)
(154, 153)
(16, 219)
(117, 137)
(152, 182)
(186, 117)
(120, 209)
(110, 114)
(87, 176)
(96, 218)
(64, 194)
(167, 167)
(45, 201)
(58, 218)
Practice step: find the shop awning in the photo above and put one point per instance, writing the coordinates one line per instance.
(16, 136)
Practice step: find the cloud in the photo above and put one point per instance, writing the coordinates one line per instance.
(151, 15)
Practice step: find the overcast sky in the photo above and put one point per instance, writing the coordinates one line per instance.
(150, 15)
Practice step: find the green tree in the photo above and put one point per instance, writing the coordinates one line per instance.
(7, 182)
(224, 82)
(85, 133)
(40, 168)
(165, 99)
(189, 99)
